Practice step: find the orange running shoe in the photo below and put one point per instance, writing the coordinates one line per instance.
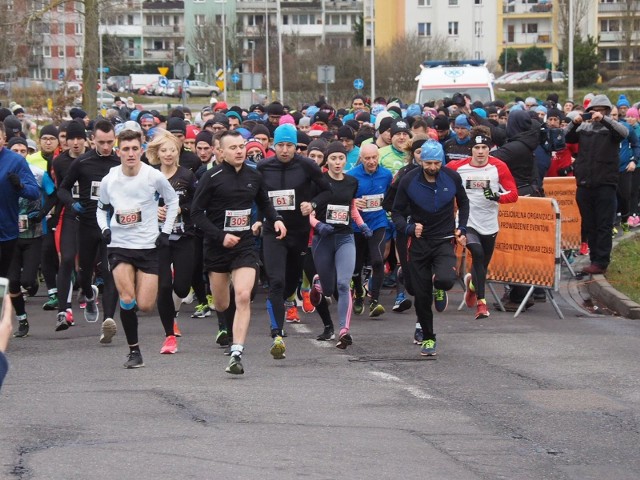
(170, 345)
(292, 315)
(307, 306)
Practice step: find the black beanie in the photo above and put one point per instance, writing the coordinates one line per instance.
(260, 129)
(49, 130)
(176, 125)
(76, 130)
(346, 132)
(204, 136)
(15, 140)
(318, 144)
(385, 124)
(335, 147)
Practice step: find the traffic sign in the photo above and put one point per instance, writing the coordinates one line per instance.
(103, 70)
(358, 84)
(182, 70)
(326, 74)
(235, 78)
(61, 76)
(163, 82)
(163, 71)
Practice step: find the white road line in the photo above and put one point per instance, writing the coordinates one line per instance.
(416, 392)
(385, 376)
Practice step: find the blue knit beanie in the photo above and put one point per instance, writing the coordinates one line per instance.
(462, 121)
(622, 101)
(431, 150)
(285, 133)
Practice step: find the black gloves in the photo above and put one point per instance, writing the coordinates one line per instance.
(491, 195)
(14, 180)
(106, 236)
(162, 240)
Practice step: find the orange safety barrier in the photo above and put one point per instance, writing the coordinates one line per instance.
(563, 190)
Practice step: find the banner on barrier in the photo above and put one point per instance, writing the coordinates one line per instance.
(527, 246)
(563, 189)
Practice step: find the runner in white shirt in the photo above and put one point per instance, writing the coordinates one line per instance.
(488, 182)
(129, 196)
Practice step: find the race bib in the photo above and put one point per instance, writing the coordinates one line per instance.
(75, 190)
(23, 223)
(95, 191)
(283, 199)
(374, 202)
(128, 218)
(477, 183)
(237, 220)
(338, 214)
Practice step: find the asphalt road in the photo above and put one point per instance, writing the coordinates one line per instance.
(529, 398)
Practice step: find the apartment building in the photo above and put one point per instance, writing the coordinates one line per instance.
(617, 25)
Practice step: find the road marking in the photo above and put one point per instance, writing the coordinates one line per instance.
(300, 328)
(415, 391)
(385, 376)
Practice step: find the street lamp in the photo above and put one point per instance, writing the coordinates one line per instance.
(224, 48)
(253, 51)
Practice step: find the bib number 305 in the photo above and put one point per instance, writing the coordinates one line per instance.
(237, 220)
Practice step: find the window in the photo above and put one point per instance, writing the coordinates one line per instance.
(78, 52)
(477, 29)
(255, 20)
(129, 19)
(199, 20)
(424, 3)
(453, 29)
(61, 52)
(46, 51)
(610, 25)
(424, 29)
(529, 28)
(477, 2)
(611, 55)
(453, 3)
(79, 28)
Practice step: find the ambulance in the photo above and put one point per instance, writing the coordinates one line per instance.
(440, 79)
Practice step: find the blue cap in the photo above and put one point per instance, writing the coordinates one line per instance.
(414, 110)
(431, 150)
(285, 133)
(481, 112)
(461, 121)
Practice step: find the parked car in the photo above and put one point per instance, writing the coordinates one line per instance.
(118, 83)
(197, 88)
(103, 98)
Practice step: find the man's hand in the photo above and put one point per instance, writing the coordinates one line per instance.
(631, 166)
(106, 236)
(306, 208)
(361, 203)
(418, 230)
(255, 228)
(230, 241)
(279, 227)
(490, 194)
(596, 116)
(14, 180)
(162, 213)
(162, 240)
(461, 238)
(323, 229)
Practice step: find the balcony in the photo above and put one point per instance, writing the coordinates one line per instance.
(617, 7)
(540, 39)
(511, 7)
(170, 6)
(121, 30)
(302, 30)
(155, 55)
(164, 31)
(618, 37)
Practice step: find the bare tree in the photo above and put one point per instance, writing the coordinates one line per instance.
(580, 12)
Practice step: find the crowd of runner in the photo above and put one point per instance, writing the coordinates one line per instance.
(318, 205)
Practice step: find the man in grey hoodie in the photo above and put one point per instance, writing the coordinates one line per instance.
(596, 170)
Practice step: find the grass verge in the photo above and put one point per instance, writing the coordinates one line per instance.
(624, 270)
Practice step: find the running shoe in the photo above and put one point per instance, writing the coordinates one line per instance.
(375, 309)
(584, 249)
(69, 314)
(614, 232)
(481, 310)
(170, 345)
(134, 360)
(315, 294)
(278, 348)
(210, 303)
(189, 298)
(52, 303)
(61, 322)
(91, 311)
(292, 315)
(327, 334)
(402, 303)
(227, 351)
(82, 300)
(307, 306)
(176, 329)
(358, 302)
(235, 365)
(23, 327)
(418, 336)
(201, 311)
(440, 300)
(470, 297)
(344, 341)
(428, 348)
(107, 330)
(625, 228)
(222, 338)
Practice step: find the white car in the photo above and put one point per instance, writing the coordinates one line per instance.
(197, 88)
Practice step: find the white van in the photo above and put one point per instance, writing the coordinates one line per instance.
(440, 79)
(138, 81)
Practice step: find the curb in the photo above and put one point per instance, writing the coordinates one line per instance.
(602, 290)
